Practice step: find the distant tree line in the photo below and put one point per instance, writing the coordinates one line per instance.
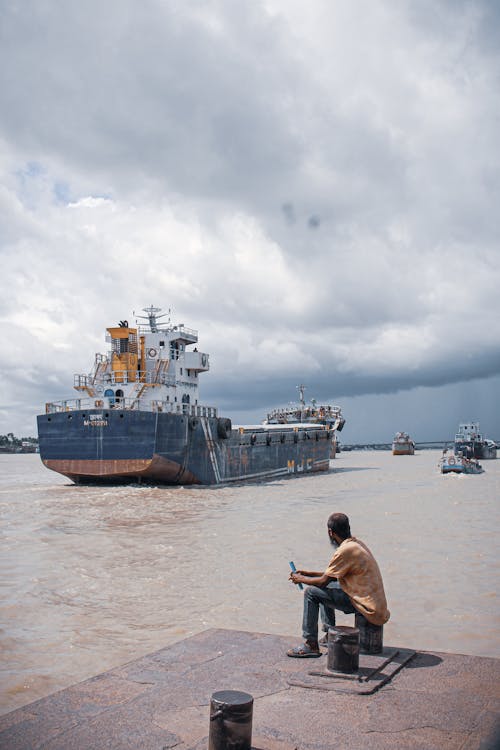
(9, 443)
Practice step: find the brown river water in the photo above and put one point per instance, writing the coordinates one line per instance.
(92, 577)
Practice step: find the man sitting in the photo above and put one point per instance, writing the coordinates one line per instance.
(359, 588)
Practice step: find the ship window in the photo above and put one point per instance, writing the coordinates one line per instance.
(181, 370)
(161, 343)
(121, 416)
(49, 419)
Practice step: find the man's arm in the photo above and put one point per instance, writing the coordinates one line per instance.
(310, 573)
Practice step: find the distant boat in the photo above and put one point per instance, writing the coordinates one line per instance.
(328, 415)
(471, 443)
(403, 445)
(457, 463)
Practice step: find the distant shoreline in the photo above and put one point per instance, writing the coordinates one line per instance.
(18, 449)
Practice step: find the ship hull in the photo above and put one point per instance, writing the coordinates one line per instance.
(403, 451)
(459, 465)
(118, 445)
(475, 449)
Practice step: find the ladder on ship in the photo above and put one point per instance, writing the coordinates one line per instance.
(161, 368)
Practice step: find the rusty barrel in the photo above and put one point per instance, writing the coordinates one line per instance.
(230, 720)
(371, 637)
(343, 649)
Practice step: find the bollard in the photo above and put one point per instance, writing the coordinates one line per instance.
(371, 637)
(343, 649)
(230, 721)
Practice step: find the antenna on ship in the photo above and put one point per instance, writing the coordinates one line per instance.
(301, 388)
(153, 318)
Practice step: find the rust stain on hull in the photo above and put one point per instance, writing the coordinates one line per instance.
(156, 469)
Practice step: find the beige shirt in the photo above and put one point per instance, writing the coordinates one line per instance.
(359, 576)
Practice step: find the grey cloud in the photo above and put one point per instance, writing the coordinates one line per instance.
(318, 204)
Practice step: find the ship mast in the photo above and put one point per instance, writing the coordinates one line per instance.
(301, 388)
(152, 317)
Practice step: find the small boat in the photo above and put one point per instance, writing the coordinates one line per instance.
(403, 445)
(457, 463)
(328, 415)
(471, 443)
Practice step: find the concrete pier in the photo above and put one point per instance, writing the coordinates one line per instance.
(162, 701)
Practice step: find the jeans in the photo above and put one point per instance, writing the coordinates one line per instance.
(325, 601)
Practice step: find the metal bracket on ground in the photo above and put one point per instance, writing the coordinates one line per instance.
(374, 672)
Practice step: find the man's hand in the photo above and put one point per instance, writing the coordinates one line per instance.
(310, 578)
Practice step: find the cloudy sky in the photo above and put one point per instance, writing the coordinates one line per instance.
(313, 186)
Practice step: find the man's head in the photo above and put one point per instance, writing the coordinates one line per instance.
(338, 527)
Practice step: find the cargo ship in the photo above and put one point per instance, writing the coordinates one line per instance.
(403, 445)
(138, 418)
(471, 444)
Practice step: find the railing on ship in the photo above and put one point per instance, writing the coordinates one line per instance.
(285, 412)
(122, 377)
(134, 404)
(183, 332)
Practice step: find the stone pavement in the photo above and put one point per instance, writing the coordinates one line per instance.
(162, 701)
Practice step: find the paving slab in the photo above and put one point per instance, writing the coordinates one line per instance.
(162, 701)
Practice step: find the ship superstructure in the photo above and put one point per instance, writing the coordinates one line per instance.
(302, 412)
(138, 417)
(147, 366)
(470, 443)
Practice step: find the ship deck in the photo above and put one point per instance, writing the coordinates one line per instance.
(162, 700)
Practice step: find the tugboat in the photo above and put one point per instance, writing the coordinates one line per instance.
(300, 413)
(457, 463)
(138, 418)
(403, 445)
(471, 443)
